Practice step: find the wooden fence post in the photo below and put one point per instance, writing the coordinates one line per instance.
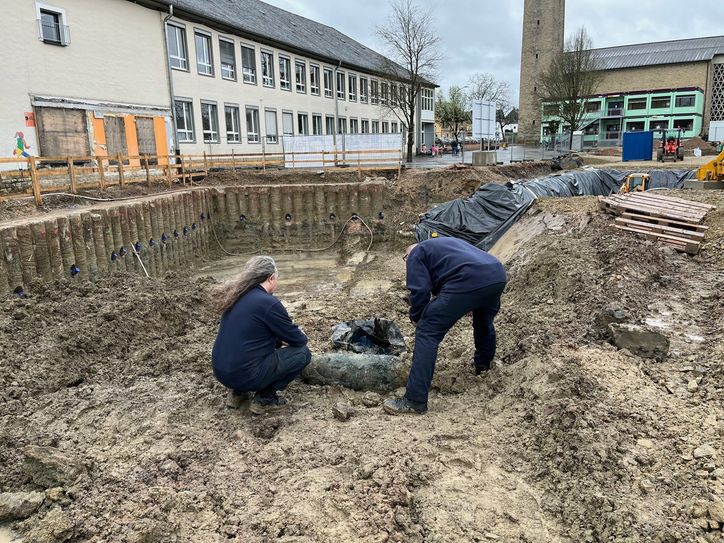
(233, 161)
(36, 182)
(168, 172)
(148, 173)
(121, 180)
(183, 171)
(71, 175)
(206, 164)
(101, 173)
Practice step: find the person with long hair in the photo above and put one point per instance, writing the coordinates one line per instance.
(249, 353)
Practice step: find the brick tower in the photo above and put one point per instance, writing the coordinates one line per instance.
(543, 29)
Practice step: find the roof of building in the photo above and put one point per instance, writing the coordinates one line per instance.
(270, 24)
(662, 52)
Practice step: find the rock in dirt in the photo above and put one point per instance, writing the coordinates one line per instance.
(371, 399)
(55, 527)
(380, 373)
(610, 315)
(705, 451)
(49, 467)
(19, 505)
(343, 411)
(639, 340)
(716, 511)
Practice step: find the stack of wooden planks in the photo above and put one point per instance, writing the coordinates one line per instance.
(674, 221)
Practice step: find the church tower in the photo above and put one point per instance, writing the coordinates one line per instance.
(543, 37)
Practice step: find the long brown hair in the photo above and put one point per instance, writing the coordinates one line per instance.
(257, 270)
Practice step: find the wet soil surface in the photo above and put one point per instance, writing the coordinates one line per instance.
(567, 439)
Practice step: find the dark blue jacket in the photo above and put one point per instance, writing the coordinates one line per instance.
(448, 265)
(250, 331)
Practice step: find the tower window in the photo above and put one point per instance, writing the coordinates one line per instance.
(538, 22)
(536, 55)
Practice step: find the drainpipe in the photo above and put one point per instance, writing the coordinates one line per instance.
(169, 75)
(336, 105)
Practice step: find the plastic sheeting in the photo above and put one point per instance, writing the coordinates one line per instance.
(485, 216)
(371, 336)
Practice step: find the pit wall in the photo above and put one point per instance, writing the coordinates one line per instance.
(174, 231)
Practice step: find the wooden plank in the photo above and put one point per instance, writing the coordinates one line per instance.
(691, 246)
(655, 210)
(653, 196)
(671, 205)
(36, 182)
(696, 236)
(662, 220)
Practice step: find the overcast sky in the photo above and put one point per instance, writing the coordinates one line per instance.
(485, 35)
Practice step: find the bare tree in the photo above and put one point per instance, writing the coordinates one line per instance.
(484, 86)
(452, 112)
(504, 117)
(571, 77)
(414, 51)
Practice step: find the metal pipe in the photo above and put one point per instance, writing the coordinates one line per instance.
(169, 75)
(336, 110)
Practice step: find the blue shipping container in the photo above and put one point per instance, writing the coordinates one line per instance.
(638, 146)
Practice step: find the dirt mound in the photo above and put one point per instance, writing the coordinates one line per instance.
(566, 439)
(707, 149)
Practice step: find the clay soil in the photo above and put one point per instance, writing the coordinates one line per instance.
(567, 439)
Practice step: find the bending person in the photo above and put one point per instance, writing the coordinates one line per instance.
(248, 355)
(463, 279)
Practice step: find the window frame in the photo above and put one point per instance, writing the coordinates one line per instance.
(327, 120)
(228, 106)
(341, 77)
(385, 126)
(374, 92)
(691, 97)
(198, 33)
(660, 99)
(185, 59)
(249, 139)
(683, 119)
(353, 125)
(192, 130)
(60, 16)
(213, 104)
(375, 127)
(317, 117)
(264, 78)
(300, 87)
(427, 96)
(640, 101)
(287, 112)
(328, 91)
(244, 68)
(352, 87)
(393, 127)
(341, 125)
(363, 96)
(271, 138)
(384, 93)
(365, 126)
(312, 69)
(228, 41)
(302, 123)
(288, 62)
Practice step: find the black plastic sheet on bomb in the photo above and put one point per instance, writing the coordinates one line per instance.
(491, 210)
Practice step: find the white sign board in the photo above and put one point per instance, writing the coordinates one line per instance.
(716, 131)
(484, 119)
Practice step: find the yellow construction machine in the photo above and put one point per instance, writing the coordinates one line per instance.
(712, 171)
(635, 182)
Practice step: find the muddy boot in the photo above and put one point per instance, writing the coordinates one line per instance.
(235, 399)
(477, 370)
(261, 405)
(403, 406)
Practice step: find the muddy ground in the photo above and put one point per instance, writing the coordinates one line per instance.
(567, 439)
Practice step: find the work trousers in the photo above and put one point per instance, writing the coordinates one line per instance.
(278, 370)
(439, 316)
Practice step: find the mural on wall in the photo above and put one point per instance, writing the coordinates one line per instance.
(20, 146)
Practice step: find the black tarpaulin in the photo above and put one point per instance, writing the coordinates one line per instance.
(487, 214)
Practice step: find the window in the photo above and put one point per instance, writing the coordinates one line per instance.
(662, 102)
(210, 122)
(285, 74)
(352, 88)
(317, 125)
(363, 90)
(176, 37)
(365, 126)
(233, 125)
(353, 126)
(341, 125)
(267, 69)
(385, 127)
(252, 125)
(635, 126)
(593, 107)
(591, 129)
(228, 59)
(270, 122)
(375, 127)
(403, 95)
(685, 124)
(340, 85)
(428, 99)
(204, 62)
(51, 27)
(393, 128)
(374, 92)
(287, 123)
(636, 103)
(302, 124)
(550, 109)
(384, 93)
(330, 124)
(184, 121)
(393, 94)
(659, 124)
(314, 80)
(248, 66)
(300, 69)
(688, 100)
(328, 90)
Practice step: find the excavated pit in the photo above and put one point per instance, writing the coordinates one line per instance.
(567, 439)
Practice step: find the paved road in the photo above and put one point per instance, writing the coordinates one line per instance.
(514, 153)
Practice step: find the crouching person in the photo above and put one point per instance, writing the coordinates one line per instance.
(248, 354)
